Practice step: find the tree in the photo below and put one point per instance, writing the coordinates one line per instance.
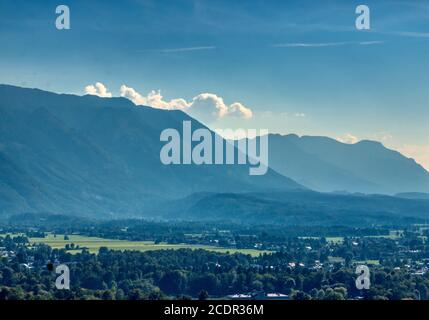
(7, 275)
(136, 294)
(108, 295)
(203, 295)
(155, 294)
(173, 282)
(300, 295)
(331, 294)
(348, 258)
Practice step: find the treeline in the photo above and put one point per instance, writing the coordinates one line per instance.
(185, 274)
(244, 236)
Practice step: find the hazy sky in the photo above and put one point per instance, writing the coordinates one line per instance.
(288, 66)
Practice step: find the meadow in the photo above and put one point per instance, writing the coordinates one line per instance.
(393, 235)
(334, 240)
(93, 244)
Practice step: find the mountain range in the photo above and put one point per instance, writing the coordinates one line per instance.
(93, 156)
(99, 157)
(303, 208)
(327, 165)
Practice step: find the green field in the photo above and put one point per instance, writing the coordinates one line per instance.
(355, 262)
(367, 262)
(333, 240)
(393, 234)
(336, 259)
(93, 244)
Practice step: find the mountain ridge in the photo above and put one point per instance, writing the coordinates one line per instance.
(100, 156)
(327, 165)
(298, 208)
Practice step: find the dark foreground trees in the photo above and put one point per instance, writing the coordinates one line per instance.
(187, 273)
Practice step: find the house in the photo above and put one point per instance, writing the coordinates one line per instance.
(270, 296)
(240, 296)
(277, 296)
(259, 296)
(26, 266)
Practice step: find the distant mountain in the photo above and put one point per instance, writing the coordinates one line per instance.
(413, 195)
(298, 208)
(90, 156)
(324, 164)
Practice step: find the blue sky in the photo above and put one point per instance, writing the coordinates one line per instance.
(299, 66)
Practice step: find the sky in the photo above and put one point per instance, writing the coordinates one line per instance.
(287, 66)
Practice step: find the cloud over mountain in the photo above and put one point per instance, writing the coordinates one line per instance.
(206, 107)
(98, 89)
(100, 157)
(209, 107)
(348, 138)
(153, 99)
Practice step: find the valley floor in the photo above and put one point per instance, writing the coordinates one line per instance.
(76, 243)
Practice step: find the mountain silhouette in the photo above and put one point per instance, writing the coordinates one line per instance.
(86, 155)
(300, 208)
(327, 165)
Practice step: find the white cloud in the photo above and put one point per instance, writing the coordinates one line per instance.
(237, 134)
(310, 45)
(300, 115)
(326, 44)
(348, 138)
(411, 34)
(240, 110)
(98, 89)
(377, 136)
(381, 136)
(209, 103)
(153, 99)
(185, 49)
(420, 153)
(370, 43)
(132, 95)
(206, 107)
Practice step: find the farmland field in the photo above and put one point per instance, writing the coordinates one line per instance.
(393, 235)
(93, 244)
(334, 240)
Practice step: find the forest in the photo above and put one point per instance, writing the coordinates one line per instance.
(302, 267)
